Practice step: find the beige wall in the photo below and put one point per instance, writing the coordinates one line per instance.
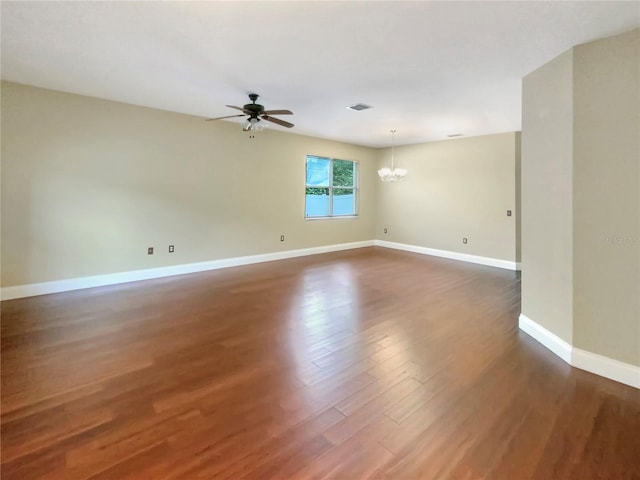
(519, 196)
(546, 183)
(455, 188)
(88, 185)
(580, 197)
(606, 183)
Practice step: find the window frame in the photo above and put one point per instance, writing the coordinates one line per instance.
(331, 188)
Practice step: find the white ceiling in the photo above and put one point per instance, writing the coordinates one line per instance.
(428, 68)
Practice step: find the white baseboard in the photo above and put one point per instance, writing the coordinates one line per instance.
(591, 362)
(30, 290)
(56, 286)
(606, 367)
(546, 338)
(464, 257)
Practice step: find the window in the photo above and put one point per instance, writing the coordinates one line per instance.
(331, 187)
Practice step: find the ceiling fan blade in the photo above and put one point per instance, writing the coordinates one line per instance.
(277, 120)
(277, 112)
(247, 112)
(220, 118)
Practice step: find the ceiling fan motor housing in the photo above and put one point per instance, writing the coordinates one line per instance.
(255, 108)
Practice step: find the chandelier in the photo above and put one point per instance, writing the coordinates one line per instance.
(392, 174)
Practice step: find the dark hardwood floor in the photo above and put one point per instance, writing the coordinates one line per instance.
(370, 363)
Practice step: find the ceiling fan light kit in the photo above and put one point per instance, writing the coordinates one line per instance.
(253, 125)
(255, 113)
(392, 174)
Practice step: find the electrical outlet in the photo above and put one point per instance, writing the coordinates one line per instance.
(385, 230)
(464, 240)
(150, 251)
(171, 249)
(282, 238)
(508, 213)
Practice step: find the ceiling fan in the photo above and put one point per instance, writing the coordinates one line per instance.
(256, 113)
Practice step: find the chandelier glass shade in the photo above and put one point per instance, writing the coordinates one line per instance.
(253, 125)
(392, 174)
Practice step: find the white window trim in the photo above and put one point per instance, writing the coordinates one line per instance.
(355, 188)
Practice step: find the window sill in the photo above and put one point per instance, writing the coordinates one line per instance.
(335, 217)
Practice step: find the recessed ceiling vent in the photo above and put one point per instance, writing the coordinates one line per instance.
(358, 107)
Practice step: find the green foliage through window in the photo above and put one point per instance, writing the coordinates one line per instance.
(343, 173)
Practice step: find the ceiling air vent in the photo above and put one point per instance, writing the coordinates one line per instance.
(358, 107)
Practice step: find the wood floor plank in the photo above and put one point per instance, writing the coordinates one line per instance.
(370, 363)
